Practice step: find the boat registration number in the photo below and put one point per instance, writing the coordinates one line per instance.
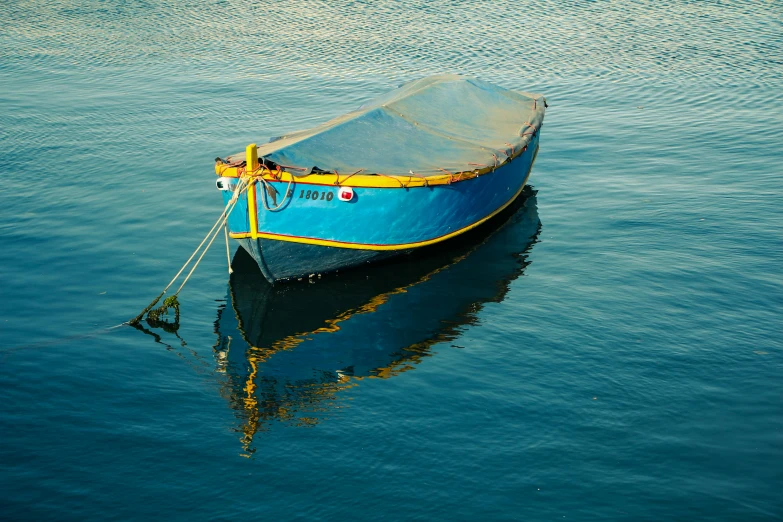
(322, 195)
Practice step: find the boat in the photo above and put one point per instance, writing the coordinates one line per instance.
(285, 354)
(423, 164)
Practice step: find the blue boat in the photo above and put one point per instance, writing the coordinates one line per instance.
(425, 163)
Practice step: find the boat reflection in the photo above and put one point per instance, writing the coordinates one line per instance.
(287, 351)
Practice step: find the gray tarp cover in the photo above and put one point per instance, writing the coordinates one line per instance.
(439, 122)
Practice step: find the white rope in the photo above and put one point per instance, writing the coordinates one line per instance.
(230, 205)
(222, 221)
(243, 184)
(241, 187)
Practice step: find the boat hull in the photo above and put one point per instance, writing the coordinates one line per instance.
(310, 231)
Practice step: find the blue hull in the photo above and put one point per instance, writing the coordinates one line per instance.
(313, 232)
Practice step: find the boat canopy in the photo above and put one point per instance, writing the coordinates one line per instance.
(439, 123)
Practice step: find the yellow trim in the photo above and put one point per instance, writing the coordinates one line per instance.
(360, 180)
(401, 246)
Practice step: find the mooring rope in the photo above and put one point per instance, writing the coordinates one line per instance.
(5, 351)
(203, 252)
(171, 302)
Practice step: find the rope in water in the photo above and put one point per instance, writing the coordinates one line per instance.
(51, 342)
(171, 302)
(241, 187)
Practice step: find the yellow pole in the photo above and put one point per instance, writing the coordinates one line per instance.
(251, 157)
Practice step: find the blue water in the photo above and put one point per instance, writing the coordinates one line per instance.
(612, 351)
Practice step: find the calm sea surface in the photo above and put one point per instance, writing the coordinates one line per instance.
(612, 350)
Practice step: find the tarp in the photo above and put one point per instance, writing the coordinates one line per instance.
(438, 123)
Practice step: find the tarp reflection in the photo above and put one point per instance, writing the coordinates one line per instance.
(288, 350)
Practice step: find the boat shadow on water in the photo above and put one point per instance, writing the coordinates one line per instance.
(286, 351)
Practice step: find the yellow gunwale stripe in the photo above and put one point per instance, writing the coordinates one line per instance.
(401, 246)
(357, 180)
(369, 180)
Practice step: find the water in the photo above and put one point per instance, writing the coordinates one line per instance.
(612, 352)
